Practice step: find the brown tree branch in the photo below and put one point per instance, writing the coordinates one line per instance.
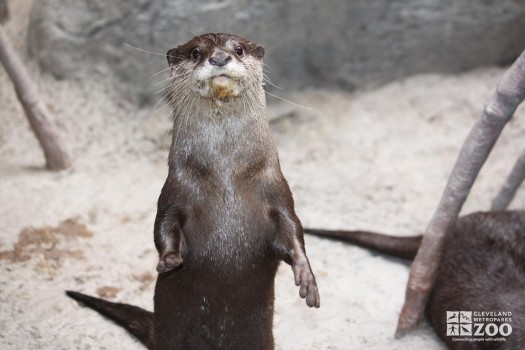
(35, 110)
(498, 111)
(512, 183)
(4, 11)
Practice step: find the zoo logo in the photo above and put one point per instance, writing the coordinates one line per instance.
(460, 323)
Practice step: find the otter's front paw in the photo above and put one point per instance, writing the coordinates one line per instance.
(305, 278)
(168, 261)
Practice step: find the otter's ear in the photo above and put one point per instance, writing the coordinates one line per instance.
(171, 56)
(259, 51)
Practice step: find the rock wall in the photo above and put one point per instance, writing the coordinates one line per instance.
(309, 43)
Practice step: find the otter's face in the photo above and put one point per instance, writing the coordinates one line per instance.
(217, 66)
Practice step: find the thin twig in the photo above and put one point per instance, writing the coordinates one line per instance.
(512, 183)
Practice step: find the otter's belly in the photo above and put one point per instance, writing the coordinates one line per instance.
(235, 231)
(207, 306)
(223, 296)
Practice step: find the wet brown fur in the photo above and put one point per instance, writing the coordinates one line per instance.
(225, 215)
(482, 269)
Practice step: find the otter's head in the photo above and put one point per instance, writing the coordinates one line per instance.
(217, 67)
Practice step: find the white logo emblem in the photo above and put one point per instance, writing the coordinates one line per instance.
(484, 324)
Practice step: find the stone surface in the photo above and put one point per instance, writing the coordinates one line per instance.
(350, 44)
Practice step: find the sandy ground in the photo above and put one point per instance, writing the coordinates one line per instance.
(372, 160)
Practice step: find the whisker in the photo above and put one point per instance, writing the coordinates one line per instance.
(267, 66)
(164, 88)
(266, 79)
(154, 75)
(151, 52)
(163, 97)
(196, 35)
(162, 110)
(285, 100)
(165, 80)
(176, 76)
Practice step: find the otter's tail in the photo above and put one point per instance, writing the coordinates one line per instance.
(135, 320)
(400, 247)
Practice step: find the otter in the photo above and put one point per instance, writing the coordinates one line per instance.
(482, 269)
(225, 215)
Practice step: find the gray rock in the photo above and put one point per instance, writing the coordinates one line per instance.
(309, 43)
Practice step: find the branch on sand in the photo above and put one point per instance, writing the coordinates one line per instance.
(498, 111)
(35, 110)
(512, 183)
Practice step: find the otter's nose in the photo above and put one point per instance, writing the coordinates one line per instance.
(219, 59)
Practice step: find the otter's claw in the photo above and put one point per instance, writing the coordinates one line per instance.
(169, 261)
(306, 280)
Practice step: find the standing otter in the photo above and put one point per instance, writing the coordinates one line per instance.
(482, 269)
(225, 215)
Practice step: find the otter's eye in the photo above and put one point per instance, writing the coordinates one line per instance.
(239, 50)
(196, 54)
